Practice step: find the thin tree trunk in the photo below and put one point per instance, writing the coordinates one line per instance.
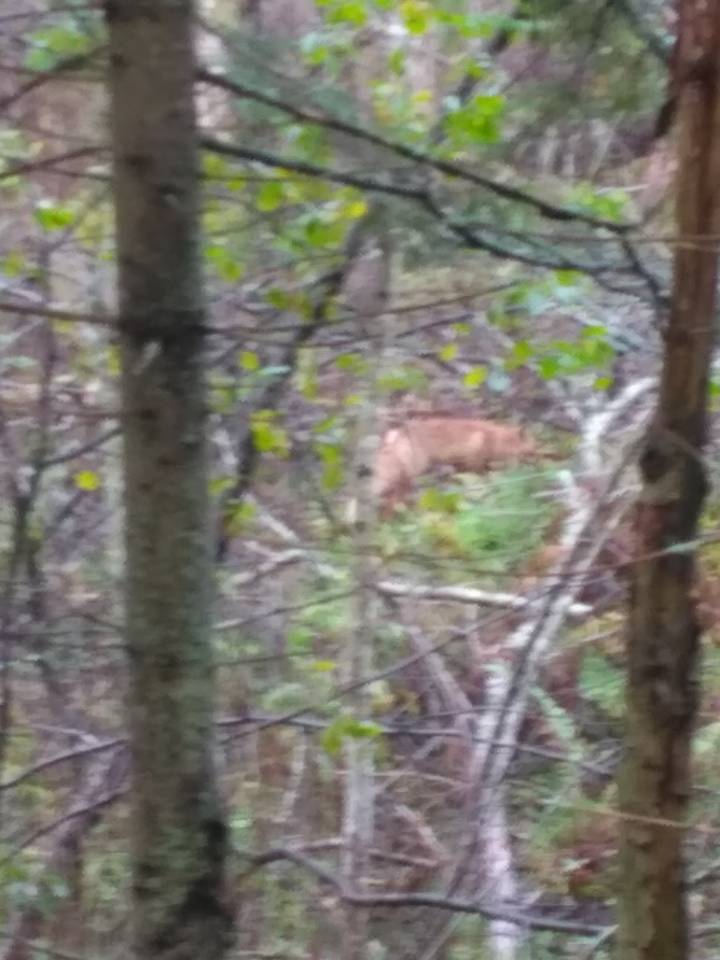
(179, 836)
(663, 630)
(365, 291)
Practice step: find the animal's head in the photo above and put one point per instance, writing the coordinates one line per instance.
(390, 471)
(509, 443)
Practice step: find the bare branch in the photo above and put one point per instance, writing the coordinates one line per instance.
(518, 917)
(418, 157)
(458, 594)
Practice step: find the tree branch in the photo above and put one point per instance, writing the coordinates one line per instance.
(436, 901)
(418, 157)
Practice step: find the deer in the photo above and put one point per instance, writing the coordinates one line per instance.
(465, 444)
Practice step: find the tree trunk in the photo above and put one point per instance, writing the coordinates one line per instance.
(366, 292)
(663, 630)
(179, 835)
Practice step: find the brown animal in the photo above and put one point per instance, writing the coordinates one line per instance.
(465, 444)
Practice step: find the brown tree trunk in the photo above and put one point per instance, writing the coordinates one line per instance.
(179, 836)
(663, 629)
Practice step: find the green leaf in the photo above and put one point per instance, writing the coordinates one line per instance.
(404, 378)
(351, 12)
(51, 216)
(87, 480)
(442, 501)
(225, 264)
(14, 264)
(326, 424)
(214, 167)
(521, 352)
(270, 196)
(351, 362)
(300, 639)
(219, 485)
(238, 517)
(223, 395)
(315, 49)
(548, 367)
(602, 683)
(248, 360)
(332, 738)
(308, 384)
(396, 62)
(475, 377)
(347, 727)
(280, 299)
(323, 666)
(415, 16)
(267, 436)
(52, 44)
(607, 204)
(311, 142)
(477, 121)
(559, 720)
(320, 232)
(448, 352)
(113, 360)
(365, 730)
(40, 59)
(596, 330)
(285, 696)
(567, 278)
(595, 353)
(354, 209)
(332, 458)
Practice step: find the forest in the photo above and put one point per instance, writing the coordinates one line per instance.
(359, 534)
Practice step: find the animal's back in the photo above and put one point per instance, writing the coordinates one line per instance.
(464, 443)
(468, 444)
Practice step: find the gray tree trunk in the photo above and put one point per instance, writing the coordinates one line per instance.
(663, 628)
(179, 836)
(366, 292)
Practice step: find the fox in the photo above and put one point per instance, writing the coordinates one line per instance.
(465, 444)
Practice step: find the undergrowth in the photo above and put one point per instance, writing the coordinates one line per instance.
(487, 526)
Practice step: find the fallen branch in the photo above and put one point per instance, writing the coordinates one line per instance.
(437, 901)
(458, 594)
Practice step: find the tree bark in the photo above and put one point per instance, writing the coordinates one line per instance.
(366, 293)
(663, 629)
(179, 835)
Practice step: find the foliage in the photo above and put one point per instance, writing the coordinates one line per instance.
(498, 307)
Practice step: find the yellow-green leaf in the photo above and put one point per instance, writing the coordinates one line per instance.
(323, 666)
(87, 480)
(356, 209)
(475, 377)
(249, 361)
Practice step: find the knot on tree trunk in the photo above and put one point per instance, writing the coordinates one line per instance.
(672, 470)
